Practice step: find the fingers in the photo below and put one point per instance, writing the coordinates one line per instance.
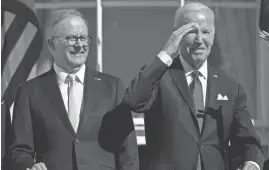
(186, 28)
(182, 31)
(172, 46)
(43, 166)
(265, 33)
(39, 166)
(245, 168)
(250, 166)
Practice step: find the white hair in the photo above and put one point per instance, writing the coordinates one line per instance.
(191, 6)
(59, 15)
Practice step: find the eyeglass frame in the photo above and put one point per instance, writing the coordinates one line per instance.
(76, 41)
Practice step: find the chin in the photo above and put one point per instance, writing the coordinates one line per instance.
(77, 62)
(200, 57)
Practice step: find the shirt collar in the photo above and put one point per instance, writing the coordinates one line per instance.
(62, 74)
(188, 69)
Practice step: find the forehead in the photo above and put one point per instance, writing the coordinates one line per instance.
(74, 25)
(202, 17)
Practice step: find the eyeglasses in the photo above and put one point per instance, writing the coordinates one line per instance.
(73, 40)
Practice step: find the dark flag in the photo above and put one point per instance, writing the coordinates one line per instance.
(264, 16)
(21, 46)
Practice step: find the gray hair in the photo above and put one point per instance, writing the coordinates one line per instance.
(189, 6)
(59, 15)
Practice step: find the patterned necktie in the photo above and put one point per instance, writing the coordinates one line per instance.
(73, 108)
(197, 94)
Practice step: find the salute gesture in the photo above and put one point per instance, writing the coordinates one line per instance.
(172, 45)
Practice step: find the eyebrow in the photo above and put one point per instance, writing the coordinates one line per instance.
(74, 34)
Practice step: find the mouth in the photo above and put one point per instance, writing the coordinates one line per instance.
(198, 50)
(77, 52)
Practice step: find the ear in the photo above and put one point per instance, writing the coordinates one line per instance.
(50, 45)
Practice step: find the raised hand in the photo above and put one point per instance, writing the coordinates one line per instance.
(248, 165)
(172, 45)
(264, 35)
(38, 166)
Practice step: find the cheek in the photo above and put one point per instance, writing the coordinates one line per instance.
(67, 50)
(209, 41)
(189, 39)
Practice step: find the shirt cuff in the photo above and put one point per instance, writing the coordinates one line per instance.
(252, 162)
(165, 58)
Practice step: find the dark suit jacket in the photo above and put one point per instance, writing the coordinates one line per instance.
(41, 127)
(5, 134)
(116, 126)
(172, 134)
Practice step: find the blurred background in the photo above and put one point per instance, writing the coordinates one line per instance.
(128, 33)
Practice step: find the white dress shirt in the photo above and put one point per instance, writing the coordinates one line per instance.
(61, 78)
(203, 77)
(166, 59)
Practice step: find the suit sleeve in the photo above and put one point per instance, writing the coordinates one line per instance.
(143, 90)
(244, 140)
(127, 151)
(22, 144)
(117, 134)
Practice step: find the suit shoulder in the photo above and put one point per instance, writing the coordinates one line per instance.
(106, 77)
(30, 84)
(227, 78)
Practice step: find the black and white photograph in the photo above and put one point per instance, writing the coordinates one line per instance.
(134, 85)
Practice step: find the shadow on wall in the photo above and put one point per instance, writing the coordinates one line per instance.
(215, 59)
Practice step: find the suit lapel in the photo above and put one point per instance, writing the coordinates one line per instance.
(178, 75)
(51, 89)
(90, 96)
(213, 116)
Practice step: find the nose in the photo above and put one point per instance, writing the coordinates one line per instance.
(199, 38)
(77, 48)
(79, 43)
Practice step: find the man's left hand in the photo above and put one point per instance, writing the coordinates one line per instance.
(264, 35)
(249, 165)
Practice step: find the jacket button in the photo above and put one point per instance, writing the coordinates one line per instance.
(77, 141)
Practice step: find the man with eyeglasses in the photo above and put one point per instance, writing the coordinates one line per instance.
(57, 115)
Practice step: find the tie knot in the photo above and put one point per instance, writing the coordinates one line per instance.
(195, 74)
(71, 77)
